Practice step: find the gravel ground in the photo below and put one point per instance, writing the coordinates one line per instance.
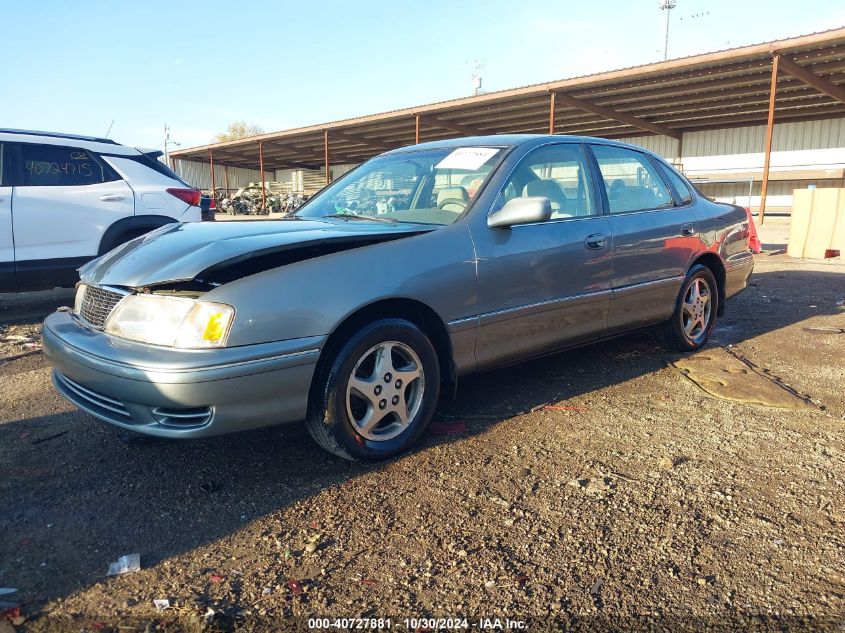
(593, 489)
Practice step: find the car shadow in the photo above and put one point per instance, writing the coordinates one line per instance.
(77, 494)
(31, 307)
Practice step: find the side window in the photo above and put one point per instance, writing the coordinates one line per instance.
(3, 167)
(57, 165)
(678, 183)
(559, 173)
(631, 181)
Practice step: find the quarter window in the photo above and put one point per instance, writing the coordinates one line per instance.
(56, 165)
(631, 181)
(679, 184)
(559, 173)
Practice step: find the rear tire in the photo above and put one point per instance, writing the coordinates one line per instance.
(376, 396)
(691, 324)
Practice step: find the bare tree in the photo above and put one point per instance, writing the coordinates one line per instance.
(238, 129)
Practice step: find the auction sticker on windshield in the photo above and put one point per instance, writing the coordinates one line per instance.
(467, 158)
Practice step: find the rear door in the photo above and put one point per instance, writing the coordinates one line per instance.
(64, 200)
(655, 237)
(7, 244)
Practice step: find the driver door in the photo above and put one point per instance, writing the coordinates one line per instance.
(545, 285)
(7, 244)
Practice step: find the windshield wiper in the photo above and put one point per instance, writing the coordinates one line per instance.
(354, 216)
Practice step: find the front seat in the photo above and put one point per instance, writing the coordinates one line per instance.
(454, 199)
(551, 190)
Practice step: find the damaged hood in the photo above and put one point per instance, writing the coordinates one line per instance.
(182, 252)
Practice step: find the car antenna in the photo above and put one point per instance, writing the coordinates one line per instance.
(108, 131)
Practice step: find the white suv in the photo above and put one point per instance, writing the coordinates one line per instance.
(67, 199)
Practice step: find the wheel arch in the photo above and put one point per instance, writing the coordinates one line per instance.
(112, 235)
(413, 310)
(714, 263)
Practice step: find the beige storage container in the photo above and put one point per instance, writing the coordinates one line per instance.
(817, 225)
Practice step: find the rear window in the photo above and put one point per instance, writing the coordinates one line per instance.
(58, 165)
(156, 165)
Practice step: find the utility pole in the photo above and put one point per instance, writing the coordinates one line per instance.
(476, 78)
(167, 144)
(667, 6)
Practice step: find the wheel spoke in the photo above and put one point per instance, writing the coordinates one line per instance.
(364, 388)
(401, 411)
(407, 376)
(694, 292)
(384, 361)
(371, 420)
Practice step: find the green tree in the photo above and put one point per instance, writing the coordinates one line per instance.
(238, 129)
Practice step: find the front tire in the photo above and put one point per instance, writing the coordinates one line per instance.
(691, 324)
(377, 395)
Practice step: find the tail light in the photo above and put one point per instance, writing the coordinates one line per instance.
(212, 204)
(753, 241)
(188, 196)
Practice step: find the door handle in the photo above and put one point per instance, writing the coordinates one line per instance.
(688, 229)
(111, 197)
(596, 241)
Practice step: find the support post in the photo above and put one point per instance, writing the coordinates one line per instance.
(552, 112)
(211, 167)
(226, 176)
(769, 132)
(326, 148)
(261, 167)
(417, 129)
(680, 159)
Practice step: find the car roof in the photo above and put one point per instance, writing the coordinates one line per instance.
(104, 146)
(76, 137)
(513, 140)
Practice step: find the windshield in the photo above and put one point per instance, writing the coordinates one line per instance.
(433, 186)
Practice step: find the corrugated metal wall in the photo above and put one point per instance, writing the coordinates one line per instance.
(794, 145)
(664, 146)
(778, 198)
(198, 175)
(809, 146)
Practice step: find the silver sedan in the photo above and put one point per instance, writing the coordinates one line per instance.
(424, 264)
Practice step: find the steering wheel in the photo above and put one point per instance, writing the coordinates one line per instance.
(447, 201)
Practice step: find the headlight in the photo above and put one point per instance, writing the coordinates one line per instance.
(171, 321)
(77, 302)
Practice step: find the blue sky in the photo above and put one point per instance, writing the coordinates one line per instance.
(76, 66)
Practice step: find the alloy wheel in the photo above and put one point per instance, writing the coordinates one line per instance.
(385, 391)
(696, 309)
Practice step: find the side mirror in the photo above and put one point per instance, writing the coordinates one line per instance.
(521, 211)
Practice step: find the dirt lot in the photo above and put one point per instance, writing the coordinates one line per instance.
(636, 501)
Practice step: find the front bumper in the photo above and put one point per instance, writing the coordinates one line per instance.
(179, 393)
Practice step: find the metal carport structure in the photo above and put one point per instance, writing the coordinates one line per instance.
(797, 79)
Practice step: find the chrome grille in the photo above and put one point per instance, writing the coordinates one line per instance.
(97, 304)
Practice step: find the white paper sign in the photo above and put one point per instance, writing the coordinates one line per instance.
(467, 158)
